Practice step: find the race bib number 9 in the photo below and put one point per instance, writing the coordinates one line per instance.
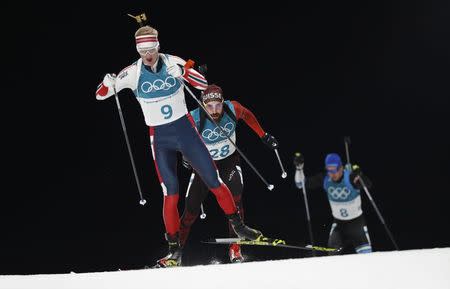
(167, 111)
(162, 111)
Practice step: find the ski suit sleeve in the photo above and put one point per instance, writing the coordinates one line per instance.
(125, 79)
(190, 75)
(354, 179)
(314, 182)
(249, 118)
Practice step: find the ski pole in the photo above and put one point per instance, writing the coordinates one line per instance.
(308, 216)
(299, 173)
(347, 143)
(283, 172)
(347, 151)
(269, 186)
(124, 128)
(203, 215)
(378, 213)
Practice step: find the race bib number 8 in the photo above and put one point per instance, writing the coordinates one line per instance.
(346, 210)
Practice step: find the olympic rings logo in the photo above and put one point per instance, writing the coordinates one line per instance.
(214, 134)
(158, 84)
(339, 193)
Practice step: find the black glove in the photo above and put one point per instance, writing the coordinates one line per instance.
(356, 175)
(203, 69)
(269, 141)
(299, 161)
(186, 164)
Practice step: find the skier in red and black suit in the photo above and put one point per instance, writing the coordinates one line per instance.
(226, 114)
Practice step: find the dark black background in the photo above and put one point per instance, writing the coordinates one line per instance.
(312, 73)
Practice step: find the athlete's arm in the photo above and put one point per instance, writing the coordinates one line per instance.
(249, 118)
(355, 175)
(314, 182)
(189, 74)
(125, 79)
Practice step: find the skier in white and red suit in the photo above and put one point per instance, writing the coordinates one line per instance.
(226, 114)
(156, 81)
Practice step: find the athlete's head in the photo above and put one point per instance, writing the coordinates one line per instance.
(333, 166)
(147, 44)
(212, 98)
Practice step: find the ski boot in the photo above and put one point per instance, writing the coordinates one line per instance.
(173, 259)
(235, 254)
(241, 230)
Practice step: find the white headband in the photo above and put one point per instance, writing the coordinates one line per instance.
(146, 42)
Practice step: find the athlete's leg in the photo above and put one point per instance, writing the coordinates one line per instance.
(359, 235)
(231, 174)
(195, 195)
(165, 159)
(195, 151)
(335, 237)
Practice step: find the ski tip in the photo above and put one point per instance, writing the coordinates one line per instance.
(222, 240)
(323, 249)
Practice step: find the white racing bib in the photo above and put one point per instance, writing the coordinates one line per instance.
(346, 210)
(222, 149)
(158, 111)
